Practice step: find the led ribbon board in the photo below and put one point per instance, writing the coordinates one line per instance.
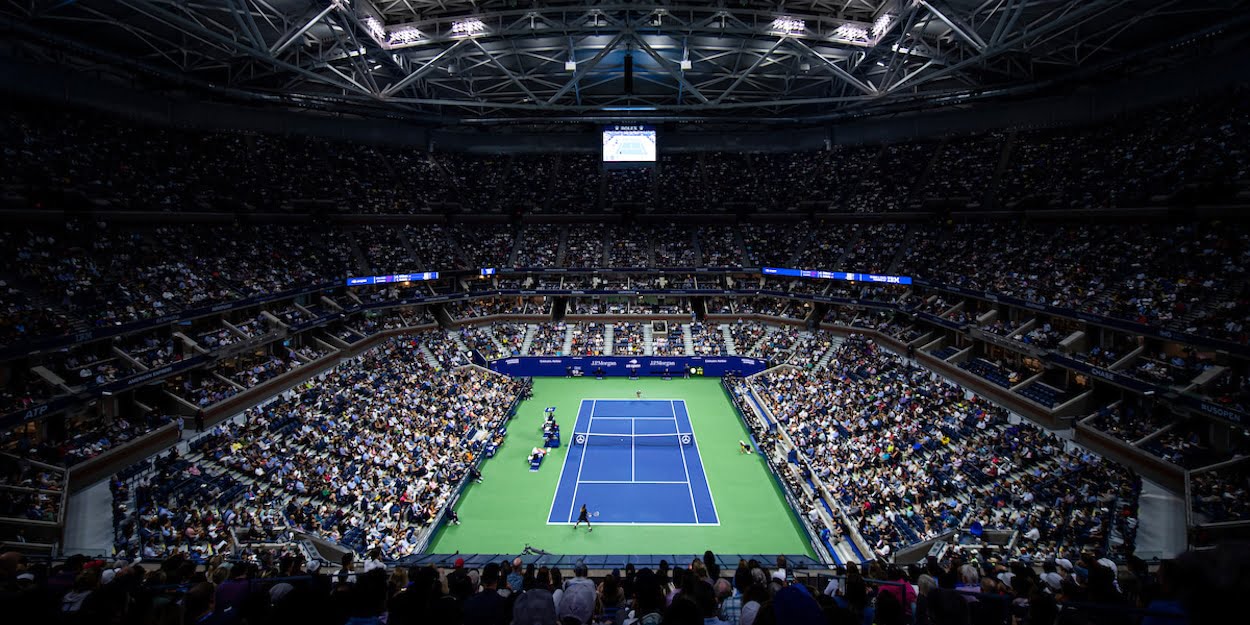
(836, 275)
(395, 277)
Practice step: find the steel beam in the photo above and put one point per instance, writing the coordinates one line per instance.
(583, 69)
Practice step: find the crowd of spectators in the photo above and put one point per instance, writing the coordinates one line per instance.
(278, 585)
(670, 342)
(1129, 421)
(1222, 494)
(631, 246)
(911, 456)
(1187, 277)
(588, 339)
(633, 186)
(548, 338)
(29, 490)
(1147, 154)
(707, 339)
(583, 247)
(628, 339)
(718, 246)
(538, 246)
(353, 457)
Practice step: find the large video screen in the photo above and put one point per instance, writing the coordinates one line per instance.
(629, 144)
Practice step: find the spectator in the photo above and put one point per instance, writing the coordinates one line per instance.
(487, 607)
(578, 602)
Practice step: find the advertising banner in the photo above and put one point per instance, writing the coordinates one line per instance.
(642, 366)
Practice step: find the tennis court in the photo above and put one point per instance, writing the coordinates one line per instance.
(512, 507)
(633, 462)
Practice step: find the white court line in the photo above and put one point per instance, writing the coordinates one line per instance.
(645, 524)
(627, 482)
(706, 480)
(585, 448)
(635, 418)
(606, 399)
(564, 465)
(633, 452)
(673, 407)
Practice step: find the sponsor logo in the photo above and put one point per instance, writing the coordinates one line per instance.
(35, 412)
(512, 361)
(1104, 374)
(748, 361)
(663, 363)
(1220, 411)
(603, 363)
(146, 376)
(549, 361)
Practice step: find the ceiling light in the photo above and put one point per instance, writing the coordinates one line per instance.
(789, 26)
(467, 28)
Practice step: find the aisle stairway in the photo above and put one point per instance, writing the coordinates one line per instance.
(609, 339)
(730, 347)
(429, 357)
(530, 328)
(687, 339)
(828, 355)
(648, 348)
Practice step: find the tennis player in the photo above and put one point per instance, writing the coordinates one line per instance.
(583, 516)
(743, 447)
(638, 394)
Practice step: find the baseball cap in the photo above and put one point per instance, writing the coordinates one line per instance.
(459, 563)
(279, 591)
(534, 607)
(578, 600)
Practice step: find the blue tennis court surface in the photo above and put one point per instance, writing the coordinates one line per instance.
(634, 462)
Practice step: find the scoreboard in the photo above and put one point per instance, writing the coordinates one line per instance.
(632, 143)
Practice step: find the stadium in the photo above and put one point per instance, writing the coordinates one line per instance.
(894, 312)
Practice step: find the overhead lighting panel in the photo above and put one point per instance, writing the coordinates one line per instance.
(882, 24)
(375, 28)
(403, 36)
(468, 28)
(788, 26)
(851, 32)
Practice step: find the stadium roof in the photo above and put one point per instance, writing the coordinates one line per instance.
(495, 60)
